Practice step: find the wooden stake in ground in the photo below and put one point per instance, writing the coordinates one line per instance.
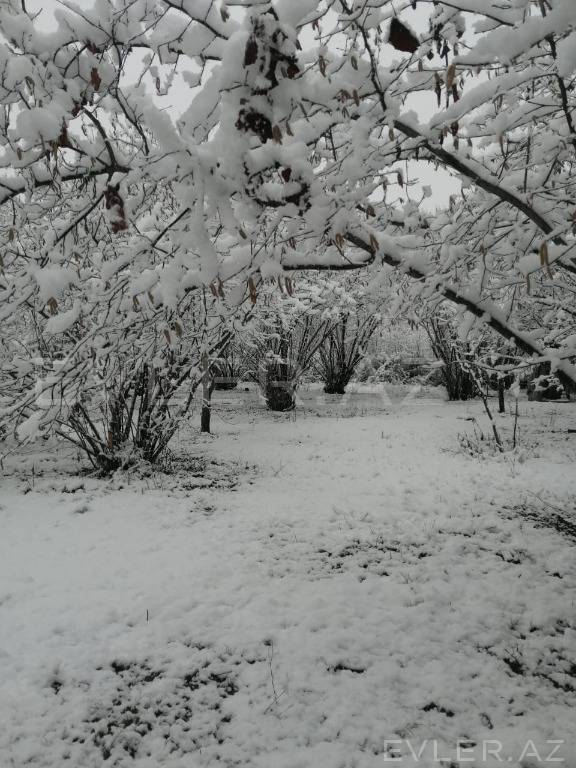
(207, 389)
(501, 403)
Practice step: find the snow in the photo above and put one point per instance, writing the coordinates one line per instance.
(326, 588)
(62, 321)
(52, 281)
(504, 44)
(30, 426)
(567, 55)
(38, 123)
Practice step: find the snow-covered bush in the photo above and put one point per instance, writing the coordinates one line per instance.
(545, 388)
(102, 351)
(457, 376)
(343, 349)
(398, 352)
(288, 330)
(348, 341)
(118, 402)
(280, 353)
(229, 367)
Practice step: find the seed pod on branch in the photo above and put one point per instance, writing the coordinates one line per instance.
(95, 79)
(52, 305)
(544, 259)
(251, 51)
(401, 37)
(115, 204)
(437, 87)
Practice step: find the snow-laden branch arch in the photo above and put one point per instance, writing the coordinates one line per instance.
(204, 145)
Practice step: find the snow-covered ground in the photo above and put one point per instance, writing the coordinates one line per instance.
(333, 588)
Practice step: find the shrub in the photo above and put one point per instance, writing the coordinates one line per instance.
(343, 349)
(228, 369)
(134, 420)
(545, 388)
(278, 357)
(456, 377)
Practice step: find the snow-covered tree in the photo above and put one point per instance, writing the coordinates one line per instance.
(287, 150)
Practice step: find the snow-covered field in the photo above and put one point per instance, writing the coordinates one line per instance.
(333, 588)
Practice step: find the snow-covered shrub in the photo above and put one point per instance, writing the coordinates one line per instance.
(228, 368)
(285, 336)
(398, 352)
(133, 421)
(458, 379)
(377, 369)
(103, 355)
(545, 388)
(105, 348)
(280, 353)
(383, 352)
(477, 444)
(343, 349)
(125, 403)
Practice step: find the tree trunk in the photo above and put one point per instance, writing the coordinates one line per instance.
(207, 387)
(205, 417)
(280, 396)
(335, 389)
(501, 403)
